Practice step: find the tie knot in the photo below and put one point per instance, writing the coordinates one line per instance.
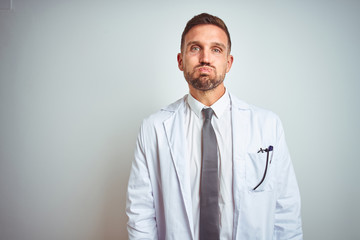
(208, 113)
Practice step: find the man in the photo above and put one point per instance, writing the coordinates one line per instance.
(211, 166)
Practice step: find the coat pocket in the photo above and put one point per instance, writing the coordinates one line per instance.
(258, 172)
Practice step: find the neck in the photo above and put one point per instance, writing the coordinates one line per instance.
(209, 97)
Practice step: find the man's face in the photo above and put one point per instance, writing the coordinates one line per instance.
(205, 57)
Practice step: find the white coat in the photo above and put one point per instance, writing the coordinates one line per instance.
(159, 202)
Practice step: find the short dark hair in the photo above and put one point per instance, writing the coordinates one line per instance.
(204, 18)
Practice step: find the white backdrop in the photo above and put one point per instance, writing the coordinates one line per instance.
(77, 78)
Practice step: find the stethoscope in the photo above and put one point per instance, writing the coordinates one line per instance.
(267, 150)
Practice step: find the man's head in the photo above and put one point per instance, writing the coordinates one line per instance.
(201, 19)
(205, 52)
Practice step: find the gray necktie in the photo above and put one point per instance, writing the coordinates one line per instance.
(209, 183)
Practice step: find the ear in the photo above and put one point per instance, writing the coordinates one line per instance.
(180, 61)
(230, 60)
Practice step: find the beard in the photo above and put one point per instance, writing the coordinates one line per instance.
(204, 82)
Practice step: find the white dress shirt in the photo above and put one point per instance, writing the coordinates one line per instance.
(221, 122)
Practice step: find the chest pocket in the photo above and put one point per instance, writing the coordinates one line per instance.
(259, 171)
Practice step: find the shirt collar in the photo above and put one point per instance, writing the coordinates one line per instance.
(219, 106)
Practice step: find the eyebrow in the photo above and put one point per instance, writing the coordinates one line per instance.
(213, 43)
(220, 45)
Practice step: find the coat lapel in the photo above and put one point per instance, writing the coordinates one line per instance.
(175, 133)
(240, 129)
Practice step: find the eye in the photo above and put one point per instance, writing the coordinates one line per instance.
(194, 48)
(217, 50)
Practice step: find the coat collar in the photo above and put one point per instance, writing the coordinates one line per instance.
(235, 102)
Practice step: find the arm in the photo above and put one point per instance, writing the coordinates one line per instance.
(140, 203)
(287, 214)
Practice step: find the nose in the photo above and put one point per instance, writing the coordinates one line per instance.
(205, 57)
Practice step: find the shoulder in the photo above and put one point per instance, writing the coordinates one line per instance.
(244, 106)
(259, 121)
(256, 114)
(166, 112)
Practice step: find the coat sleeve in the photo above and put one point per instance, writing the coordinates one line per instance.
(140, 203)
(287, 213)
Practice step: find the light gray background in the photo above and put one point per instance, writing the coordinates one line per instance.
(78, 77)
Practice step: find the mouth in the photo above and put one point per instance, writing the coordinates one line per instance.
(204, 69)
